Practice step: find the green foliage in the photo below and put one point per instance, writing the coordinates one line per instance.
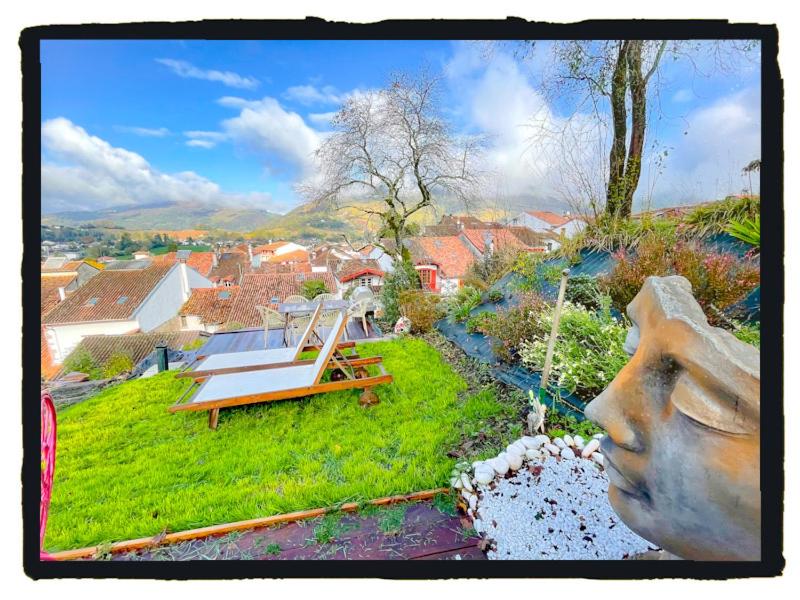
(81, 361)
(118, 363)
(311, 288)
(526, 266)
(718, 279)
(583, 290)
(747, 230)
(588, 352)
(612, 233)
(558, 425)
(749, 333)
(478, 322)
(128, 468)
(715, 218)
(510, 327)
(491, 267)
(459, 306)
(494, 296)
(330, 527)
(404, 277)
(392, 518)
(445, 504)
(199, 342)
(273, 549)
(422, 308)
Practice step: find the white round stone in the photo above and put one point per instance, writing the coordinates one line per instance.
(465, 481)
(533, 454)
(598, 458)
(515, 449)
(457, 483)
(540, 440)
(484, 474)
(590, 447)
(473, 502)
(567, 453)
(579, 441)
(560, 443)
(529, 442)
(466, 495)
(598, 436)
(499, 465)
(552, 449)
(568, 440)
(514, 461)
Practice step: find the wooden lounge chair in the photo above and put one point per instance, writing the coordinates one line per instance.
(281, 383)
(256, 360)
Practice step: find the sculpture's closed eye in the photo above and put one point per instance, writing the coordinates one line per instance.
(708, 409)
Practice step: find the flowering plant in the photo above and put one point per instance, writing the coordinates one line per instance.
(403, 325)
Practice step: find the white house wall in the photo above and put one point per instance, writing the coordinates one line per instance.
(62, 339)
(168, 296)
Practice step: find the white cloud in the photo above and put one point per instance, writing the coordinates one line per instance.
(204, 139)
(144, 131)
(229, 78)
(321, 118)
(83, 172)
(309, 94)
(280, 135)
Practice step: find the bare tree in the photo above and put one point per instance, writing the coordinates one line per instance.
(753, 165)
(392, 155)
(615, 77)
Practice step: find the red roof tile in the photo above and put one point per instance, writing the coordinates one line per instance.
(269, 248)
(449, 252)
(287, 257)
(260, 289)
(50, 295)
(212, 305)
(350, 269)
(202, 262)
(107, 288)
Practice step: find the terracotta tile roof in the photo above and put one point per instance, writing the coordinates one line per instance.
(502, 238)
(108, 287)
(202, 262)
(261, 289)
(228, 266)
(286, 257)
(48, 368)
(449, 252)
(550, 218)
(462, 221)
(269, 248)
(135, 345)
(70, 266)
(212, 305)
(350, 269)
(50, 285)
(269, 267)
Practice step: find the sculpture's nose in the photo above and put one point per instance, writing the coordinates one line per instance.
(607, 412)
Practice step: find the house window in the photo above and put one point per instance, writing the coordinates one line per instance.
(228, 284)
(122, 300)
(92, 301)
(184, 321)
(425, 277)
(365, 281)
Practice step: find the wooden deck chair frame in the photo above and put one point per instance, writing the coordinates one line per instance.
(359, 380)
(304, 345)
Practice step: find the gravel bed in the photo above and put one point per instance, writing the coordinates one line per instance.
(554, 508)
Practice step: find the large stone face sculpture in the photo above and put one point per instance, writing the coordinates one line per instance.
(682, 450)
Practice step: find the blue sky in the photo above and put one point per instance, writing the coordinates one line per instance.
(237, 122)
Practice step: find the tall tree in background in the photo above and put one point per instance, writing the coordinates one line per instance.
(615, 78)
(393, 151)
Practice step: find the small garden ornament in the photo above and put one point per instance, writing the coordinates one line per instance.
(537, 414)
(403, 325)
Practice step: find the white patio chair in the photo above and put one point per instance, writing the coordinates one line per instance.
(271, 319)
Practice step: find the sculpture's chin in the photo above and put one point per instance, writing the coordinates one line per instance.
(632, 509)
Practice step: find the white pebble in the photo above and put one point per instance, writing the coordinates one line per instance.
(473, 502)
(567, 453)
(533, 454)
(598, 458)
(499, 465)
(541, 440)
(568, 440)
(457, 483)
(560, 443)
(598, 436)
(590, 447)
(516, 448)
(552, 449)
(529, 442)
(465, 481)
(484, 474)
(579, 441)
(514, 461)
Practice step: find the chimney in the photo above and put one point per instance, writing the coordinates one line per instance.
(61, 294)
(250, 250)
(215, 258)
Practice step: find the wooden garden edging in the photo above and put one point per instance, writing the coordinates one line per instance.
(202, 532)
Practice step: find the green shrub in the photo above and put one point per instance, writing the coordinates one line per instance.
(490, 268)
(81, 361)
(526, 266)
(118, 363)
(583, 290)
(749, 333)
(494, 296)
(557, 425)
(476, 323)
(194, 345)
(404, 277)
(715, 218)
(588, 352)
(718, 279)
(746, 230)
(312, 288)
(422, 308)
(510, 327)
(460, 305)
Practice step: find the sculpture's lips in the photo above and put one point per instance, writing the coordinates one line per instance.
(617, 478)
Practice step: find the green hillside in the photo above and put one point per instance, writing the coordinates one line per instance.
(168, 217)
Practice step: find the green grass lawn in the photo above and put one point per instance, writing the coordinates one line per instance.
(127, 468)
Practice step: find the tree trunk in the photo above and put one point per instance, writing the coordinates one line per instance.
(615, 195)
(638, 86)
